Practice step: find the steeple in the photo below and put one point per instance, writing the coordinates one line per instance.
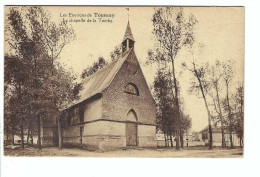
(128, 33)
(128, 41)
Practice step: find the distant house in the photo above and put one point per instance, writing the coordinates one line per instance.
(189, 139)
(17, 139)
(116, 108)
(217, 136)
(196, 136)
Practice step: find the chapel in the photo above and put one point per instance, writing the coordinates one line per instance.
(115, 109)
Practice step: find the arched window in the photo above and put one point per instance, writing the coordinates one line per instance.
(131, 116)
(131, 89)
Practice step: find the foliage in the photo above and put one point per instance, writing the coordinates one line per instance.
(94, 68)
(185, 122)
(116, 53)
(38, 85)
(164, 109)
(101, 63)
(225, 107)
(239, 112)
(172, 31)
(215, 74)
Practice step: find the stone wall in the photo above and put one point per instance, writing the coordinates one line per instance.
(104, 135)
(107, 135)
(146, 136)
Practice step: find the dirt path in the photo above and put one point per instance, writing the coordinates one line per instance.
(155, 153)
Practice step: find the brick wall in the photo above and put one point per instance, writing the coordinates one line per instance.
(117, 103)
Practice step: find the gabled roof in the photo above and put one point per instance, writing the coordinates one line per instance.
(128, 33)
(101, 79)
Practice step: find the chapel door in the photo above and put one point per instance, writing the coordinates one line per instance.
(131, 134)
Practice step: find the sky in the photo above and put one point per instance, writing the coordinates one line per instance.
(220, 30)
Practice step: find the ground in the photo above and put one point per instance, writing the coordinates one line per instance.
(197, 152)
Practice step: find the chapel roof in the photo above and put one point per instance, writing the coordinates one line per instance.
(101, 79)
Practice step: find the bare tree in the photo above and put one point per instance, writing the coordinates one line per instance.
(172, 32)
(215, 75)
(228, 75)
(201, 86)
(55, 36)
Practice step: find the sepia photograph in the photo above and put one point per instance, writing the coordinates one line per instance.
(124, 81)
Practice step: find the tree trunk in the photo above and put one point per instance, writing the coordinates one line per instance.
(230, 119)
(241, 142)
(177, 139)
(59, 133)
(12, 134)
(165, 140)
(187, 139)
(223, 144)
(12, 131)
(31, 136)
(176, 101)
(181, 138)
(7, 132)
(171, 140)
(209, 123)
(22, 134)
(39, 132)
(207, 108)
(168, 143)
(28, 135)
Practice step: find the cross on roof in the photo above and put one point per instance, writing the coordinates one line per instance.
(128, 13)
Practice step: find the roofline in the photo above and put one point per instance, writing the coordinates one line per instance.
(91, 98)
(100, 92)
(87, 78)
(145, 80)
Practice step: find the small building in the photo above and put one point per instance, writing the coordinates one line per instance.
(196, 136)
(188, 140)
(217, 136)
(115, 109)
